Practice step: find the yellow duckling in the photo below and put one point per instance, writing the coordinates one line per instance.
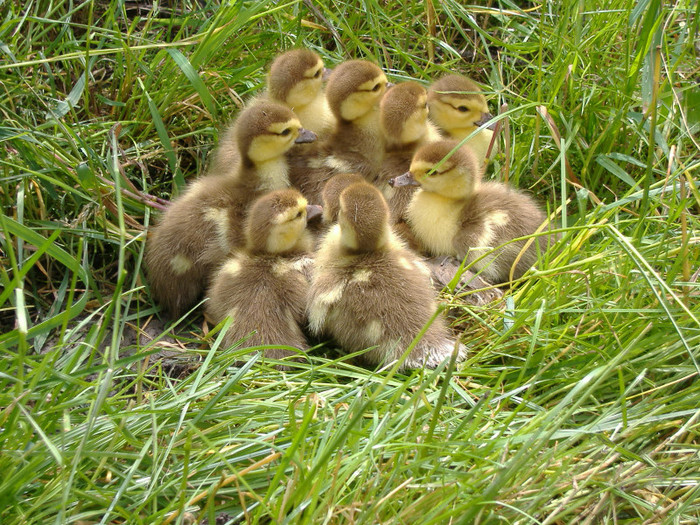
(455, 213)
(296, 80)
(368, 291)
(263, 287)
(201, 227)
(458, 107)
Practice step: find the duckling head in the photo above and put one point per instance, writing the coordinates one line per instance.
(354, 89)
(331, 194)
(404, 114)
(443, 168)
(457, 104)
(296, 77)
(267, 130)
(363, 218)
(276, 223)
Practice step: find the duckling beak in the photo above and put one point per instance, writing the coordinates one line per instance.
(484, 119)
(403, 180)
(390, 85)
(313, 211)
(305, 136)
(326, 73)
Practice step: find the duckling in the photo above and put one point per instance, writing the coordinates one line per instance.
(368, 290)
(454, 213)
(442, 269)
(353, 91)
(263, 286)
(295, 80)
(404, 122)
(458, 107)
(199, 229)
(331, 194)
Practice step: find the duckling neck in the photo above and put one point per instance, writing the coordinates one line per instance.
(462, 132)
(369, 122)
(316, 115)
(339, 244)
(273, 174)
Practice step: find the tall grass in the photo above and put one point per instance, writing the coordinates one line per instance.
(579, 399)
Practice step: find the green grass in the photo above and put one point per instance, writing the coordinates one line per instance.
(579, 401)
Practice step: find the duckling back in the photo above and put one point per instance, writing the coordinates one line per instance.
(369, 291)
(491, 219)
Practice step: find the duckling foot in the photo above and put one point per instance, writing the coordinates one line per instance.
(476, 290)
(432, 356)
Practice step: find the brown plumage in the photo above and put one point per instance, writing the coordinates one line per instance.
(353, 91)
(200, 228)
(454, 213)
(263, 287)
(331, 194)
(295, 80)
(369, 291)
(404, 122)
(458, 108)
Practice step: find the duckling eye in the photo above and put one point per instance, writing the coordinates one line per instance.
(463, 109)
(376, 87)
(317, 74)
(286, 132)
(300, 214)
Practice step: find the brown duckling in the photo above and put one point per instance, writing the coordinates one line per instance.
(368, 290)
(201, 227)
(331, 194)
(458, 107)
(263, 287)
(455, 213)
(353, 91)
(405, 126)
(295, 80)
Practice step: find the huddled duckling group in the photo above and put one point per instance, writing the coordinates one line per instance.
(395, 179)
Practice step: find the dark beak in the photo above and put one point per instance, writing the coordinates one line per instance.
(305, 136)
(313, 211)
(390, 84)
(484, 119)
(403, 180)
(326, 73)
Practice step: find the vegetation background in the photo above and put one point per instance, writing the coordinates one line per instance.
(580, 399)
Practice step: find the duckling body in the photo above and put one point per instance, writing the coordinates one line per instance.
(353, 91)
(200, 228)
(295, 80)
(263, 287)
(458, 107)
(454, 213)
(369, 290)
